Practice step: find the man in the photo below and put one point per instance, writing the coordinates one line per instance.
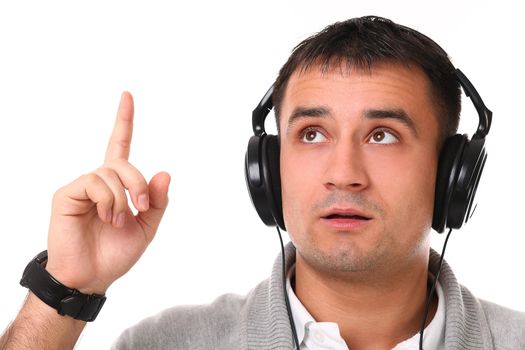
(364, 109)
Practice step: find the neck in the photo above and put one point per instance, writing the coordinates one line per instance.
(372, 312)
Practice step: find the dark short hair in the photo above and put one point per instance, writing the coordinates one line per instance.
(361, 42)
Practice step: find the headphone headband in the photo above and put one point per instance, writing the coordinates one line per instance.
(485, 114)
(261, 111)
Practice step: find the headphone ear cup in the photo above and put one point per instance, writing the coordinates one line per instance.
(448, 170)
(272, 177)
(262, 174)
(254, 179)
(471, 167)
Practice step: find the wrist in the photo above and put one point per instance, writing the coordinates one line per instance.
(65, 300)
(74, 280)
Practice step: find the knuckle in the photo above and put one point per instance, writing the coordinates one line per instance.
(96, 185)
(105, 171)
(91, 178)
(102, 209)
(106, 198)
(124, 143)
(58, 195)
(120, 201)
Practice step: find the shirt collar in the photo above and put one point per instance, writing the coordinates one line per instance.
(301, 316)
(434, 334)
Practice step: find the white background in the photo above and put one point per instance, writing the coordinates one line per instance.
(197, 69)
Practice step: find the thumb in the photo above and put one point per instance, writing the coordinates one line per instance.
(158, 201)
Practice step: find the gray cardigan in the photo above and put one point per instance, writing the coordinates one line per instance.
(259, 320)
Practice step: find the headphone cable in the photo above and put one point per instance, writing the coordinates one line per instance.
(430, 295)
(292, 323)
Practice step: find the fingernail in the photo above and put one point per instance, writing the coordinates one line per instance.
(120, 220)
(143, 202)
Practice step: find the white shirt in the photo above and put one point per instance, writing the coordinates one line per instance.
(313, 335)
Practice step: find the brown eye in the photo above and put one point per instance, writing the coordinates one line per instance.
(379, 136)
(312, 136)
(383, 137)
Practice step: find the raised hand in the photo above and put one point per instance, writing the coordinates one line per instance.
(94, 237)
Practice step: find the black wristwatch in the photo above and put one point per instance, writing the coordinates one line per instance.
(66, 301)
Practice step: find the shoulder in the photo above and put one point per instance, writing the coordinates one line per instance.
(189, 326)
(507, 326)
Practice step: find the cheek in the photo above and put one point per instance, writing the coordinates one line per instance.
(407, 186)
(298, 181)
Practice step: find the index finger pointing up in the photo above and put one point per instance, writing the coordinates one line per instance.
(120, 140)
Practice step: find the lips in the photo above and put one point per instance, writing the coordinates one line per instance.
(346, 213)
(345, 219)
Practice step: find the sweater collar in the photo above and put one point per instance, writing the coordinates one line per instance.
(466, 325)
(268, 323)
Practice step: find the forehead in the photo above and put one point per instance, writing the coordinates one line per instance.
(351, 91)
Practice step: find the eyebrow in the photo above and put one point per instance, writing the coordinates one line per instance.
(322, 112)
(306, 112)
(397, 114)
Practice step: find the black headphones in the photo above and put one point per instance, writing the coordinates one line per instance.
(461, 163)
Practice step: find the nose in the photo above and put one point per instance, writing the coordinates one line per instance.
(345, 168)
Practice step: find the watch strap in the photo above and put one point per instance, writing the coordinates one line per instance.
(67, 301)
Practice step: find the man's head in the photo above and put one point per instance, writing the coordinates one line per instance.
(363, 108)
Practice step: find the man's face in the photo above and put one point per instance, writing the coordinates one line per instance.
(358, 166)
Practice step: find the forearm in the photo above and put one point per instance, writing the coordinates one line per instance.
(39, 326)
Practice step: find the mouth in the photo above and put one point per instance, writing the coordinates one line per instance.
(345, 216)
(345, 219)
(345, 213)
